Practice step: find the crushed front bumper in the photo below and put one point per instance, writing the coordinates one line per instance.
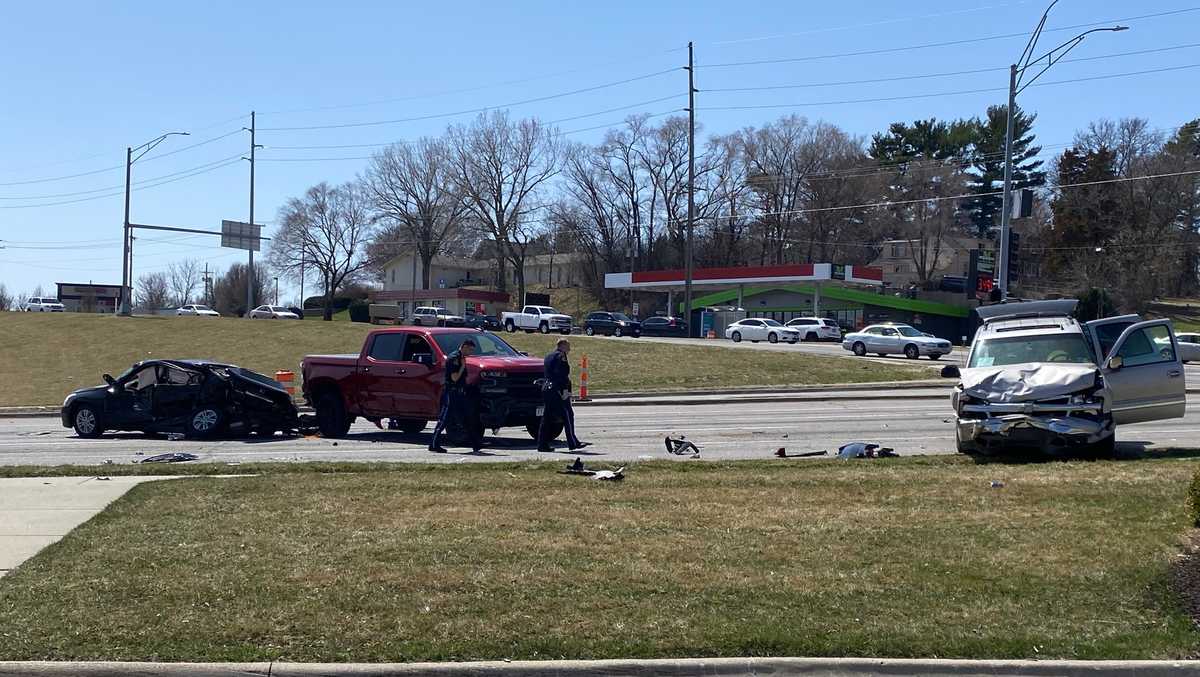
(1047, 427)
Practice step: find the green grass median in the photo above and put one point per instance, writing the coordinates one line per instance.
(45, 356)
(899, 557)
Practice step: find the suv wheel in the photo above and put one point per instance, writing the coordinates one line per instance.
(911, 352)
(510, 327)
(589, 331)
(859, 349)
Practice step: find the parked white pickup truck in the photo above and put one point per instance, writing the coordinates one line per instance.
(542, 318)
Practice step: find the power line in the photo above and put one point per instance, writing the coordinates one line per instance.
(950, 93)
(900, 78)
(121, 185)
(434, 116)
(930, 45)
(108, 195)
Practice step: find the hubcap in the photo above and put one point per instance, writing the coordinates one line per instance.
(85, 420)
(204, 420)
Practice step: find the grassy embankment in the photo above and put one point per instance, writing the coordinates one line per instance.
(904, 557)
(45, 356)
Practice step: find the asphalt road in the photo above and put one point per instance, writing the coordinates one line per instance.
(908, 422)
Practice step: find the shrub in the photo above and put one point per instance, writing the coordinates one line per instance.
(360, 311)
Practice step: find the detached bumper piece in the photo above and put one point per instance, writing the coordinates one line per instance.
(1048, 432)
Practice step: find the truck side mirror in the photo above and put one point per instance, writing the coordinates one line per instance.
(1115, 362)
(951, 371)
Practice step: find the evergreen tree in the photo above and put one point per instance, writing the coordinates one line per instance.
(988, 165)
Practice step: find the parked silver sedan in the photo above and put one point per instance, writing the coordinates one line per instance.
(1189, 347)
(272, 313)
(895, 339)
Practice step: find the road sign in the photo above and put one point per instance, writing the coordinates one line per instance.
(238, 235)
(837, 271)
(636, 308)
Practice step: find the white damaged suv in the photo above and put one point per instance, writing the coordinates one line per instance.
(1036, 377)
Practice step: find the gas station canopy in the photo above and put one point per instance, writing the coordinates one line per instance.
(715, 278)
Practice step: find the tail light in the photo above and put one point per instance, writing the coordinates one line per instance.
(672, 323)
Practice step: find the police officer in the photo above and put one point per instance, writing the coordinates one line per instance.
(556, 395)
(458, 400)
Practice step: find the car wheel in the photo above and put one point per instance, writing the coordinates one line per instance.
(810, 336)
(589, 331)
(544, 328)
(331, 415)
(617, 332)
(911, 352)
(963, 446)
(772, 338)
(736, 336)
(410, 426)
(204, 422)
(859, 349)
(1105, 448)
(86, 422)
(793, 341)
(510, 327)
(556, 428)
(935, 356)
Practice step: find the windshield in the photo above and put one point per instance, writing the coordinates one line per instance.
(772, 323)
(908, 331)
(486, 344)
(547, 310)
(998, 352)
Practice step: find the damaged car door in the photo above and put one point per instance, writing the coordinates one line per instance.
(1142, 369)
(176, 393)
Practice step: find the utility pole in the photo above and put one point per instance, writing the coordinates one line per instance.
(207, 280)
(131, 239)
(250, 264)
(1006, 201)
(687, 282)
(126, 283)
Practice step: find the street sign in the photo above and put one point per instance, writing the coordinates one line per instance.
(636, 308)
(238, 235)
(837, 271)
(987, 262)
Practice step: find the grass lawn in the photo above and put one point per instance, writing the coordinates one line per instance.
(45, 356)
(905, 557)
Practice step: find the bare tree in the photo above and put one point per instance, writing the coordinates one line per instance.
(184, 277)
(326, 230)
(153, 291)
(38, 292)
(6, 299)
(413, 188)
(499, 166)
(229, 290)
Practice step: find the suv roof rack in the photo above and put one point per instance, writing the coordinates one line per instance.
(1023, 309)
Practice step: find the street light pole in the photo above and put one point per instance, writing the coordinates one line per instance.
(126, 253)
(1015, 86)
(687, 282)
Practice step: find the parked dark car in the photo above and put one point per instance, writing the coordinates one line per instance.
(195, 397)
(487, 322)
(664, 326)
(611, 324)
(297, 312)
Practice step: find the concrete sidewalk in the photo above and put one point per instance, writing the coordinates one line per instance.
(37, 511)
(711, 667)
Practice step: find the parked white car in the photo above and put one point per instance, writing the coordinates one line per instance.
(816, 328)
(272, 313)
(43, 304)
(540, 318)
(757, 329)
(197, 309)
(895, 339)
(1189, 347)
(431, 316)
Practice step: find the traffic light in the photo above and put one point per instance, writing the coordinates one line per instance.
(1014, 259)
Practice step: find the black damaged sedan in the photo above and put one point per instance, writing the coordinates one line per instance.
(195, 397)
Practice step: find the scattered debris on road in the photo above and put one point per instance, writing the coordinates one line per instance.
(781, 452)
(865, 450)
(578, 468)
(176, 457)
(997, 484)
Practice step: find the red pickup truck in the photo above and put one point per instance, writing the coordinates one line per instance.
(399, 374)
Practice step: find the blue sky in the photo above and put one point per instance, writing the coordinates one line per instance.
(83, 80)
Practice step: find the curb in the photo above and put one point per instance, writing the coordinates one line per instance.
(711, 667)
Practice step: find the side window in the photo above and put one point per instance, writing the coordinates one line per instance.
(1151, 345)
(888, 331)
(388, 347)
(415, 344)
(176, 377)
(1108, 335)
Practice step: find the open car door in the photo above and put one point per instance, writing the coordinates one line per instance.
(1105, 332)
(1144, 374)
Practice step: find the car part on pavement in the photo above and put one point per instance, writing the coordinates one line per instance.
(781, 452)
(680, 446)
(865, 450)
(176, 457)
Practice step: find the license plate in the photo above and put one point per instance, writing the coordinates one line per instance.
(541, 411)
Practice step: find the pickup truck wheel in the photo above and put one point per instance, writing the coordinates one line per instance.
(331, 415)
(590, 331)
(911, 352)
(410, 426)
(86, 422)
(510, 327)
(859, 349)
(544, 328)
(556, 428)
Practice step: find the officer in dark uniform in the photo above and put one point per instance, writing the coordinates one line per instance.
(556, 396)
(458, 400)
